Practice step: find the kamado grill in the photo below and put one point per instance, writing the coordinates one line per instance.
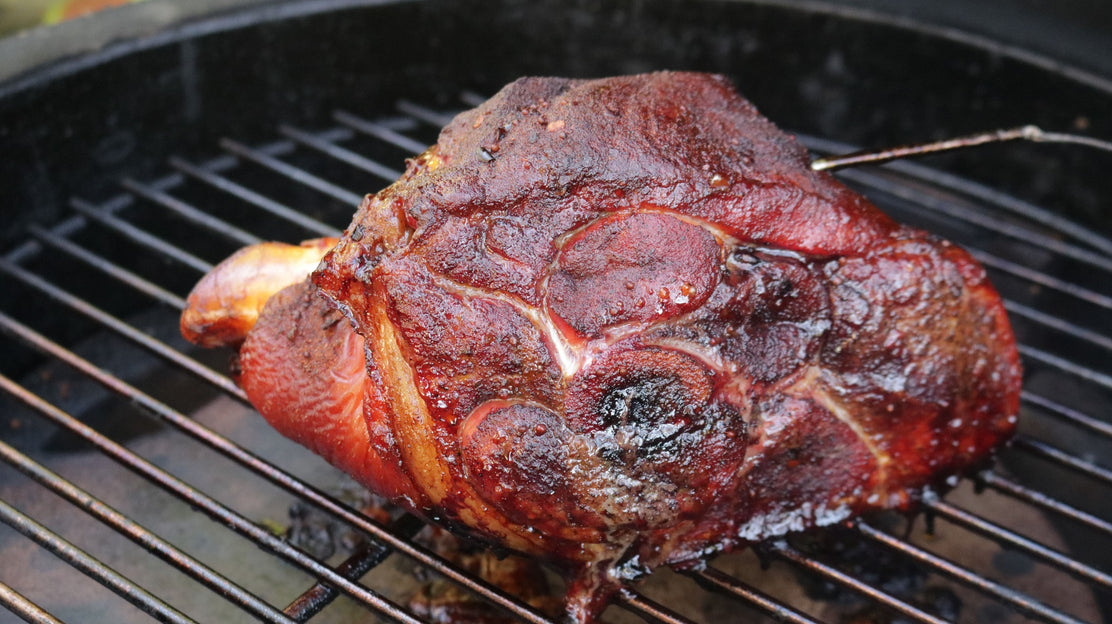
(139, 484)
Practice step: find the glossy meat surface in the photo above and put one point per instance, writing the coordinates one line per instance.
(620, 323)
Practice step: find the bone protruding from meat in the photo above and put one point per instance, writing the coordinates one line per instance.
(225, 304)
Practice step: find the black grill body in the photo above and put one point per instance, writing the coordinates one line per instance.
(131, 169)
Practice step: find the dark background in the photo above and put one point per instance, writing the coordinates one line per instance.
(90, 100)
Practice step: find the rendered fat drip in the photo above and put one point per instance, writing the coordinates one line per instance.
(620, 324)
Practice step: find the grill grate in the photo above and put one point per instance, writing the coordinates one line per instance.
(154, 239)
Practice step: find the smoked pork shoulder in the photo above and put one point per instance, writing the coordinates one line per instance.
(619, 324)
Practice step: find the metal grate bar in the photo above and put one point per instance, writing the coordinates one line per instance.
(1030, 211)
(784, 550)
(295, 173)
(270, 472)
(143, 537)
(242, 192)
(214, 225)
(380, 131)
(88, 564)
(320, 595)
(1017, 600)
(423, 113)
(716, 580)
(1038, 499)
(114, 270)
(24, 608)
(152, 406)
(1068, 414)
(430, 560)
(1058, 323)
(198, 500)
(941, 179)
(137, 235)
(339, 153)
(1043, 279)
(970, 214)
(436, 564)
(1066, 366)
(153, 345)
(1062, 458)
(649, 610)
(1014, 540)
(190, 213)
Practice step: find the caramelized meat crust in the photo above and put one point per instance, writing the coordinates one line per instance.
(620, 323)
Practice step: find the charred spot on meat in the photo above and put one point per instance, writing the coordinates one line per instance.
(620, 324)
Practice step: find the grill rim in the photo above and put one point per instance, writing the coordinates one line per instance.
(49, 52)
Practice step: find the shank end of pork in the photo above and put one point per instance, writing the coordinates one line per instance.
(620, 324)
